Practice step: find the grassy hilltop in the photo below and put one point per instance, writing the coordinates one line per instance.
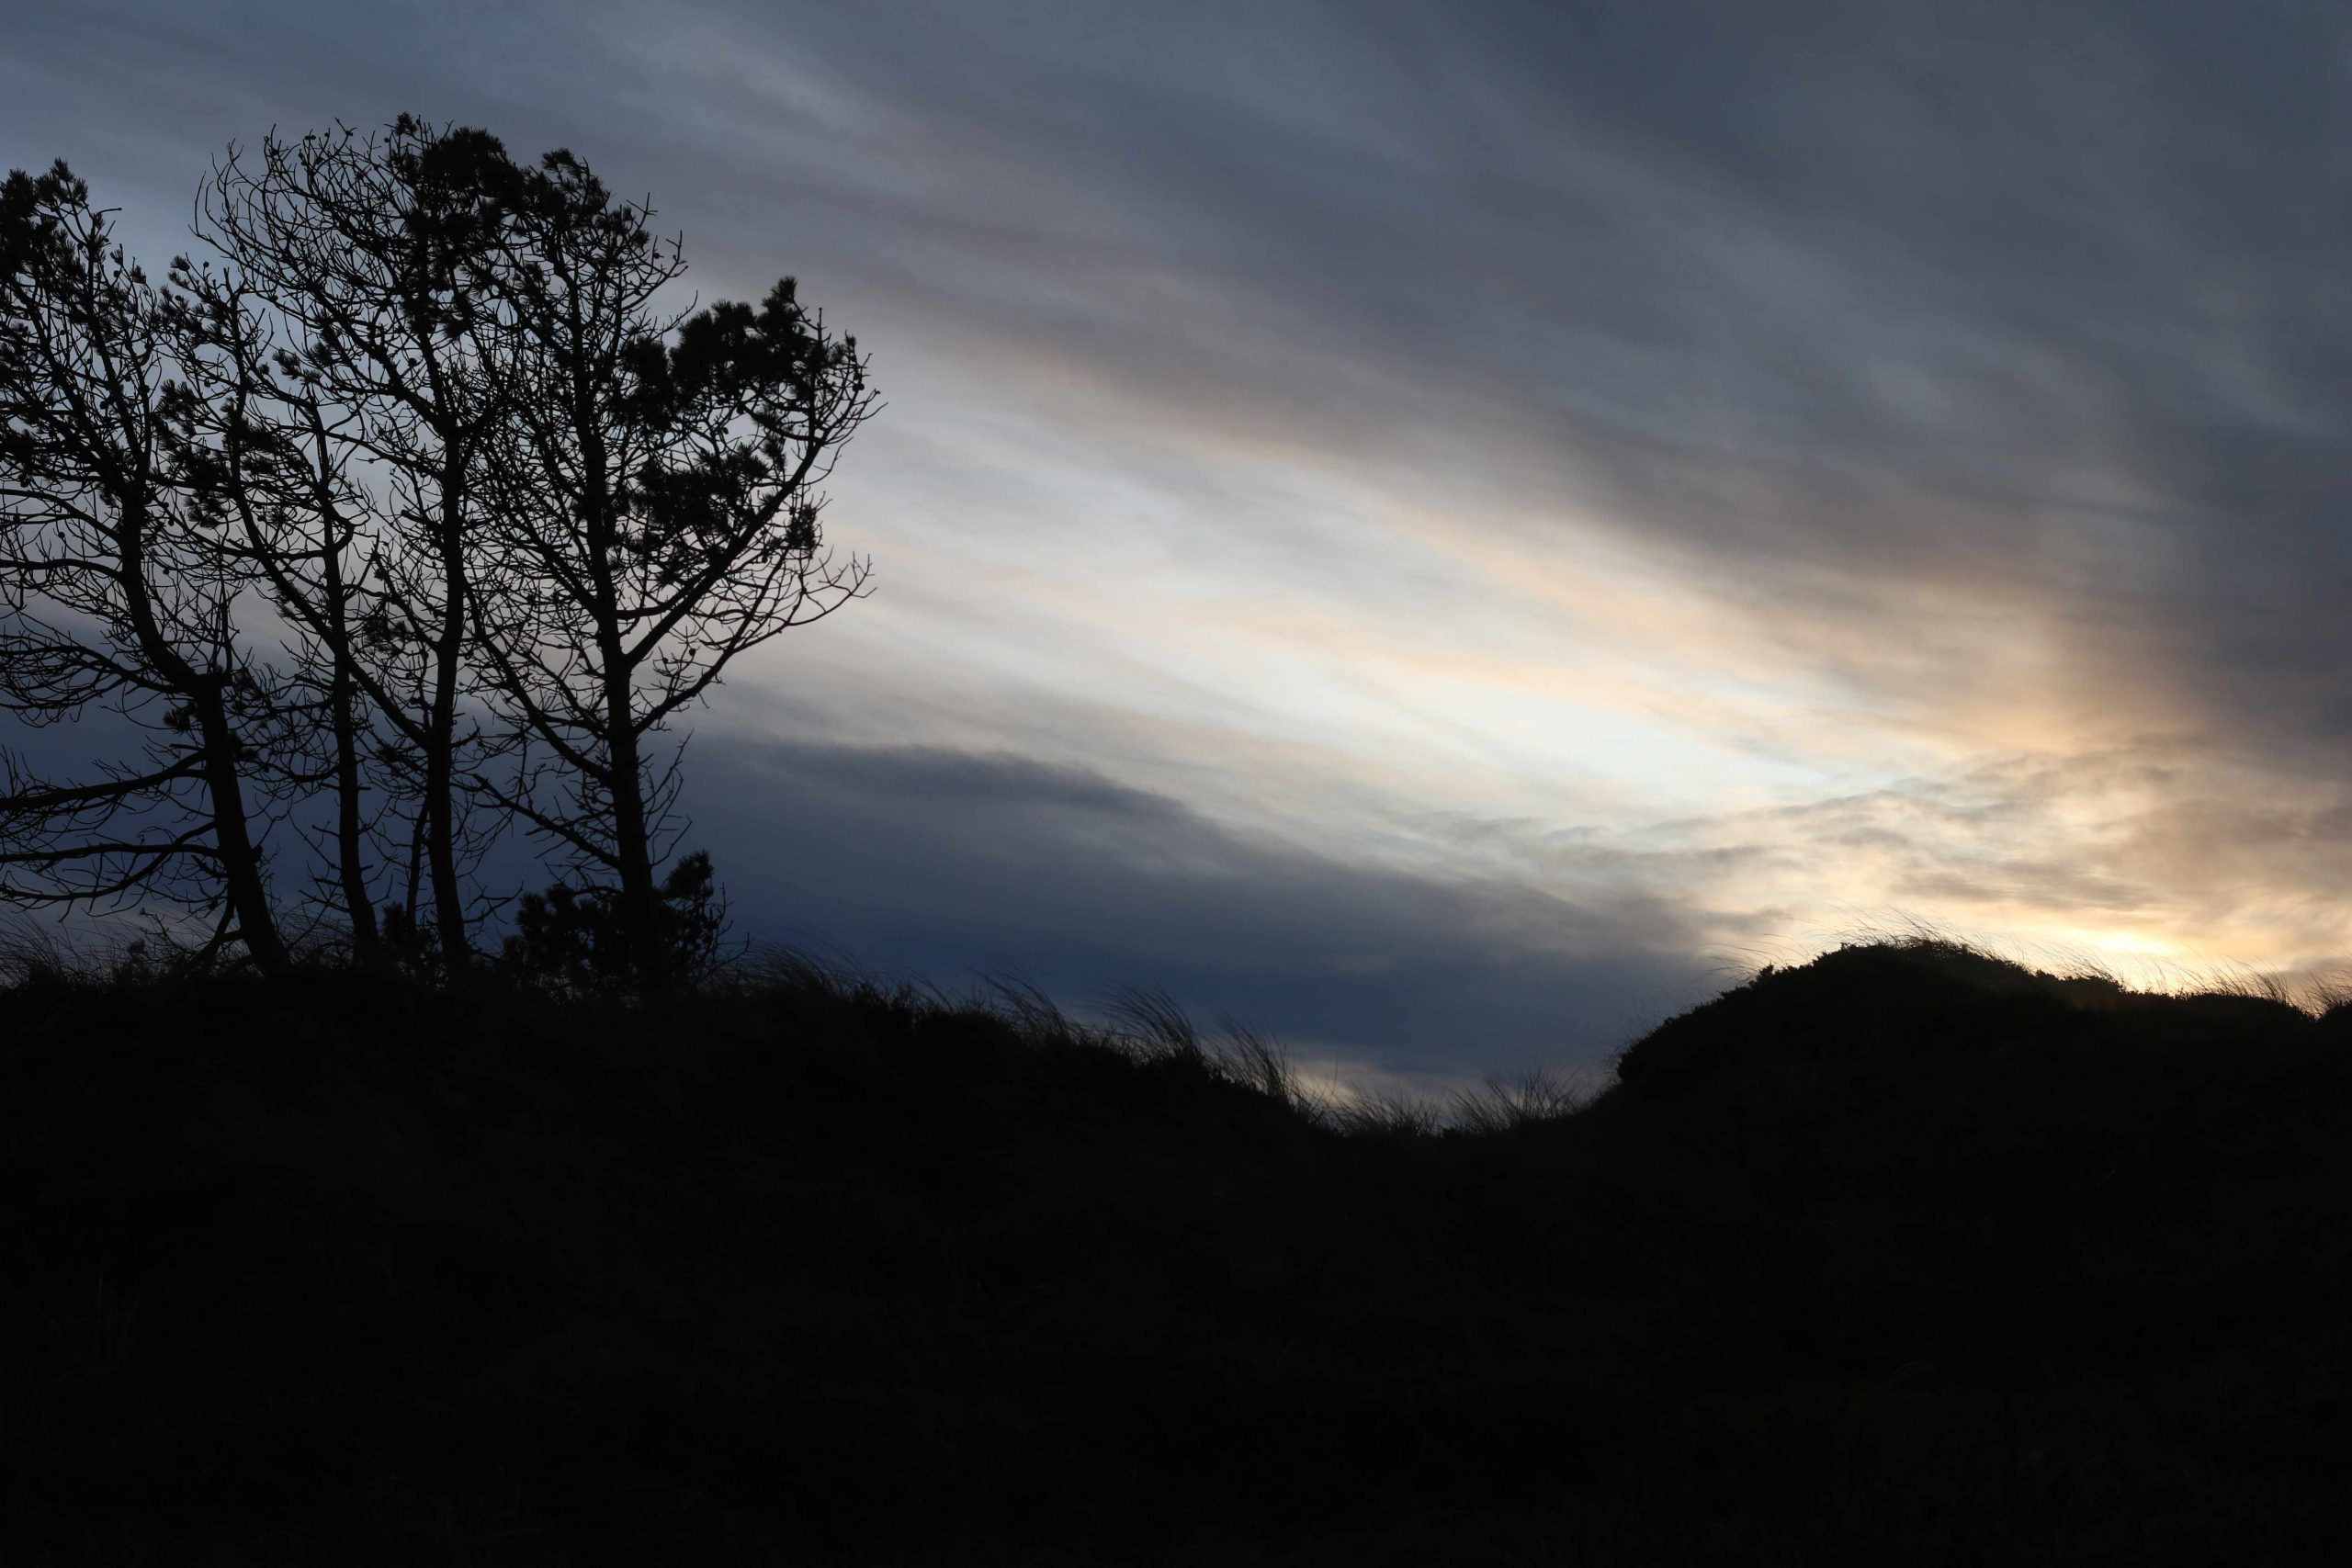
(1906, 1251)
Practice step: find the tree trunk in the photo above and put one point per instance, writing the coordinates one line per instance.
(240, 876)
(639, 909)
(637, 914)
(350, 841)
(441, 854)
(440, 759)
(206, 692)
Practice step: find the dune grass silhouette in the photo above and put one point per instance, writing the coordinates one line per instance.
(1906, 1251)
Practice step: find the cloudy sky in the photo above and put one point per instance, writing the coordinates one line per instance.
(1447, 530)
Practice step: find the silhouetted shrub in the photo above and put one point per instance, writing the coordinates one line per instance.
(571, 938)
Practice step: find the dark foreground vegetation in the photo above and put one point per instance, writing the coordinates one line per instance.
(1908, 1252)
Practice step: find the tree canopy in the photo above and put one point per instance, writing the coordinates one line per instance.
(414, 506)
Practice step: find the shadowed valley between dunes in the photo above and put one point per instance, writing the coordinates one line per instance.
(1909, 1251)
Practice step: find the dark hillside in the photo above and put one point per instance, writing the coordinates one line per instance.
(1908, 1252)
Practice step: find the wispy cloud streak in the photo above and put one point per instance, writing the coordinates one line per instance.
(1723, 471)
